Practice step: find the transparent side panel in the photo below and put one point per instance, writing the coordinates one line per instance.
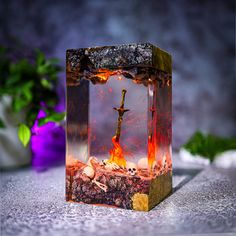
(160, 125)
(77, 122)
(164, 126)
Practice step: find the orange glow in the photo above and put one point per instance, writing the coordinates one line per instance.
(136, 81)
(116, 153)
(70, 161)
(151, 153)
(104, 74)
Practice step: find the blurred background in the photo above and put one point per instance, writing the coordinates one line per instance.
(200, 36)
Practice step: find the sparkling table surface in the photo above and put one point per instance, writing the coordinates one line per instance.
(203, 201)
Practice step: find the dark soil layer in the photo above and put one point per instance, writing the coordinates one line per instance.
(120, 186)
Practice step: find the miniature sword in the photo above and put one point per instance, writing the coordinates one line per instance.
(121, 110)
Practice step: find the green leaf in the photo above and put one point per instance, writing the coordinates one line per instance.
(209, 145)
(23, 98)
(18, 104)
(12, 79)
(43, 69)
(26, 91)
(40, 58)
(30, 83)
(2, 50)
(31, 115)
(24, 134)
(2, 125)
(54, 60)
(53, 116)
(46, 84)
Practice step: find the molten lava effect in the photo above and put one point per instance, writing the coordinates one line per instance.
(116, 153)
(151, 153)
(105, 74)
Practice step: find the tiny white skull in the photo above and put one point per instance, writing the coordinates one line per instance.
(131, 168)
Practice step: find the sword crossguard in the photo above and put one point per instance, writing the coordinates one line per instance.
(121, 110)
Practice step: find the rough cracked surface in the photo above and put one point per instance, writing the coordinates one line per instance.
(125, 55)
(89, 60)
(34, 204)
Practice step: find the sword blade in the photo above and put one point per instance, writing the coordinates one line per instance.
(121, 112)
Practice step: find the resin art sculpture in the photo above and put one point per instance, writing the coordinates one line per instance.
(119, 126)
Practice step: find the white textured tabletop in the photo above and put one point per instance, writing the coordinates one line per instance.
(34, 204)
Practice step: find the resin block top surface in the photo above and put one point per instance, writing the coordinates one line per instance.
(116, 57)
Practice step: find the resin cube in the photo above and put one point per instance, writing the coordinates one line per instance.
(119, 127)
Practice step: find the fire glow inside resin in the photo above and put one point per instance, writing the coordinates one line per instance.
(119, 127)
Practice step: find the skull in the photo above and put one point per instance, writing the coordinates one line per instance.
(131, 168)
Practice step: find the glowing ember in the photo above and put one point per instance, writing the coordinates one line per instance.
(151, 153)
(102, 75)
(105, 74)
(116, 153)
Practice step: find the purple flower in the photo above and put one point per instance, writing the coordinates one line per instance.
(47, 144)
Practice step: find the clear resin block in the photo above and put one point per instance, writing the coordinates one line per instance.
(119, 126)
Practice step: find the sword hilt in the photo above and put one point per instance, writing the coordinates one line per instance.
(121, 109)
(123, 98)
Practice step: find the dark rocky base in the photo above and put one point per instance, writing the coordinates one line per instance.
(140, 192)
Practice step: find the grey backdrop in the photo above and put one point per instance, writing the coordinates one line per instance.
(199, 35)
